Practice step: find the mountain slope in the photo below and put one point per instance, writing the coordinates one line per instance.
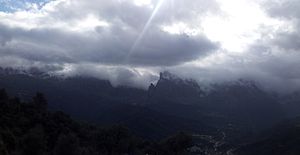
(97, 101)
(283, 139)
(27, 128)
(238, 108)
(240, 103)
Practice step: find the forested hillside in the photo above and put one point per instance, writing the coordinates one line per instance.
(28, 128)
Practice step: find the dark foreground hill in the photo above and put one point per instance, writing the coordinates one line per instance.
(27, 128)
(284, 139)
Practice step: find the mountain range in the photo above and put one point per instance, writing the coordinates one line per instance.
(235, 112)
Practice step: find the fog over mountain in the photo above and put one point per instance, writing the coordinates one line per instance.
(156, 77)
(130, 41)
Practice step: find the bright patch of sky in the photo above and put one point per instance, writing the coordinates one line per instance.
(15, 5)
(239, 25)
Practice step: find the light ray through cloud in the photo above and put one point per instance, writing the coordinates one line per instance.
(146, 27)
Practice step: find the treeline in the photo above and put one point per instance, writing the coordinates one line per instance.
(28, 128)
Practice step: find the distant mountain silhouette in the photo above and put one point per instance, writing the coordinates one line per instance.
(238, 108)
(172, 104)
(171, 88)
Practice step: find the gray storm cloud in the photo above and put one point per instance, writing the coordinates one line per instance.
(273, 59)
(52, 41)
(104, 45)
(119, 45)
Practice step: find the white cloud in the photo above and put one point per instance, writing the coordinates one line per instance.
(134, 39)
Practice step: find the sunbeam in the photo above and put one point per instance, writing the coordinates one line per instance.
(146, 27)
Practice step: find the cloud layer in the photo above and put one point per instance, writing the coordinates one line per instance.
(111, 32)
(130, 41)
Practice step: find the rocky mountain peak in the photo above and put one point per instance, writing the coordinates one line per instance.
(168, 76)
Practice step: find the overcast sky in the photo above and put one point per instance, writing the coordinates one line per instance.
(130, 41)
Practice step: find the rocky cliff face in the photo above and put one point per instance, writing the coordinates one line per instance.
(239, 102)
(171, 88)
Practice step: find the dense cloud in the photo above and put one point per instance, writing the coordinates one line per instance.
(130, 41)
(111, 43)
(273, 59)
(117, 75)
(288, 9)
(281, 47)
(288, 37)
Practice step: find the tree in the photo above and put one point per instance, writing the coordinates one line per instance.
(67, 145)
(8, 138)
(116, 139)
(178, 143)
(40, 101)
(34, 143)
(3, 95)
(3, 150)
